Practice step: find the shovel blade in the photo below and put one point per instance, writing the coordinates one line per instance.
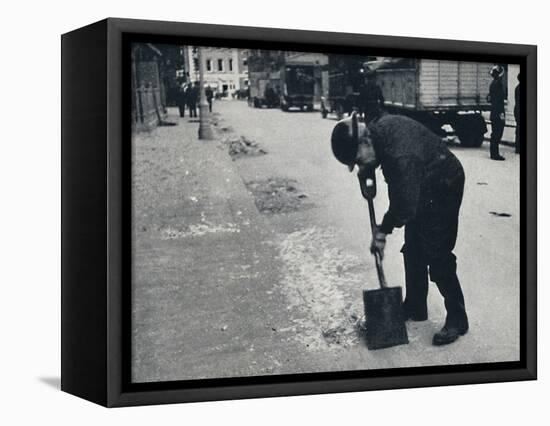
(385, 325)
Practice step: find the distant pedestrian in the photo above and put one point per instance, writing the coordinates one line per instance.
(191, 96)
(496, 98)
(517, 114)
(371, 99)
(209, 93)
(181, 100)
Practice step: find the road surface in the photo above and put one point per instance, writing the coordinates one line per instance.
(255, 265)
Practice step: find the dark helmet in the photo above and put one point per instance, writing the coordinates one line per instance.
(497, 71)
(345, 140)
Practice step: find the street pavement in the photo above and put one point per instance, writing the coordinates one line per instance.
(255, 264)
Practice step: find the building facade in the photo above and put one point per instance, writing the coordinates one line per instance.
(225, 69)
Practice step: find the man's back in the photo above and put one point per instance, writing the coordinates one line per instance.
(399, 136)
(416, 164)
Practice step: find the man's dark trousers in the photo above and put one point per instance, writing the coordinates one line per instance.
(497, 128)
(192, 110)
(181, 107)
(429, 242)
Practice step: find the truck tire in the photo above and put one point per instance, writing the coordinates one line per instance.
(324, 113)
(470, 130)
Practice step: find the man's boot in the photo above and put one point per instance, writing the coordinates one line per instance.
(451, 331)
(443, 273)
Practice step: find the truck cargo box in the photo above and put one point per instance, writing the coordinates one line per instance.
(438, 92)
(433, 85)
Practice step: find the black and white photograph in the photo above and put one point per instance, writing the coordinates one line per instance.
(268, 214)
(302, 212)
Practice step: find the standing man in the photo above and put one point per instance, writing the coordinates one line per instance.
(191, 95)
(209, 96)
(181, 99)
(371, 97)
(496, 98)
(517, 114)
(425, 186)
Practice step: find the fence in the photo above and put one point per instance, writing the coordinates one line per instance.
(148, 108)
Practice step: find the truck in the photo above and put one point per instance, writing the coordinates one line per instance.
(298, 86)
(345, 78)
(438, 93)
(283, 79)
(264, 88)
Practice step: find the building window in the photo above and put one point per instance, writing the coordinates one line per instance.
(209, 65)
(231, 65)
(220, 64)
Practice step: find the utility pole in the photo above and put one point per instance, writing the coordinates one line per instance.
(205, 128)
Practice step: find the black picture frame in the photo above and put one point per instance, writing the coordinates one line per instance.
(96, 201)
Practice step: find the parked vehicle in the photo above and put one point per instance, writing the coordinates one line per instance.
(437, 93)
(264, 88)
(345, 78)
(279, 79)
(298, 81)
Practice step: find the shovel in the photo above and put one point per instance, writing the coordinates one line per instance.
(385, 325)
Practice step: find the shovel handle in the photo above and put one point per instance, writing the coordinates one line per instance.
(367, 191)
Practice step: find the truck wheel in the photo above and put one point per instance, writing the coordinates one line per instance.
(256, 103)
(476, 139)
(470, 129)
(284, 107)
(324, 113)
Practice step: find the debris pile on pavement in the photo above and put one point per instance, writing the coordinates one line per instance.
(226, 129)
(277, 195)
(197, 230)
(324, 283)
(345, 333)
(242, 147)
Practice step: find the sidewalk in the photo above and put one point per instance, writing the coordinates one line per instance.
(204, 303)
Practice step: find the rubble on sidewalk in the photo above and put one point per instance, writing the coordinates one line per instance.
(242, 147)
(277, 195)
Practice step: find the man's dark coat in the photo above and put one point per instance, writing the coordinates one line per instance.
(425, 186)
